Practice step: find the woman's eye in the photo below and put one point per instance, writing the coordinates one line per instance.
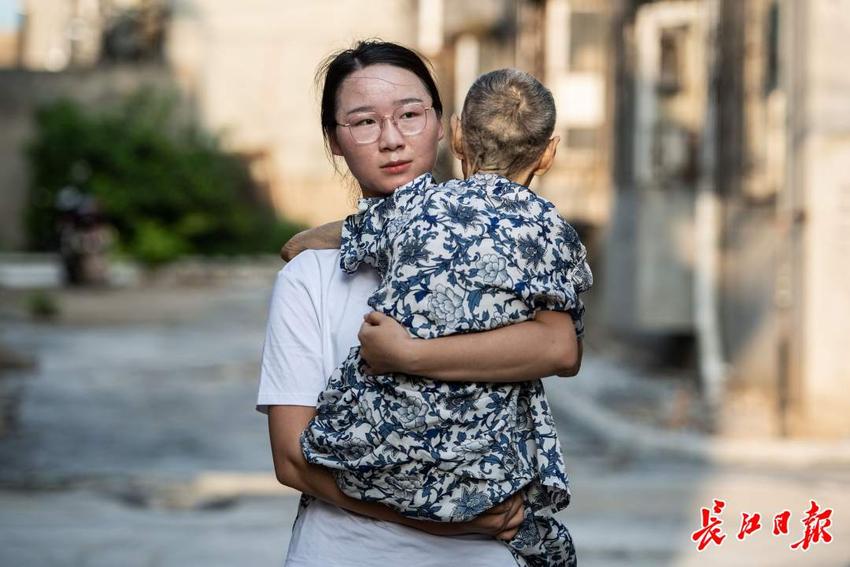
(363, 122)
(410, 114)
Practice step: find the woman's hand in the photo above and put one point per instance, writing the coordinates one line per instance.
(286, 423)
(501, 522)
(385, 345)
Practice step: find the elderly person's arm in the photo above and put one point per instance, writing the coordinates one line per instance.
(326, 236)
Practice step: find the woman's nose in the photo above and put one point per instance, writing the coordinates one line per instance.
(391, 138)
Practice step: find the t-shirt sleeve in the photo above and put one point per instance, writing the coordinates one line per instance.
(562, 275)
(362, 236)
(291, 370)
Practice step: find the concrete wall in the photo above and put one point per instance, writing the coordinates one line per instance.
(825, 192)
(251, 65)
(783, 145)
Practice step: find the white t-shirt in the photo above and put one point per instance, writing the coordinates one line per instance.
(315, 313)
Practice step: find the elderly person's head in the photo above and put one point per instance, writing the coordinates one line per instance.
(506, 126)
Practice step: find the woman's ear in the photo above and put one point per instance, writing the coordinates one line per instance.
(457, 138)
(547, 158)
(334, 144)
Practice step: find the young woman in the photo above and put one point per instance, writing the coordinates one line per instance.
(315, 314)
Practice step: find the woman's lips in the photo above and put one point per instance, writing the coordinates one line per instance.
(396, 167)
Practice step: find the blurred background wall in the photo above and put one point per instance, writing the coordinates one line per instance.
(703, 155)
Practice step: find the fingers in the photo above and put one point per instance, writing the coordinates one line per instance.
(514, 518)
(507, 535)
(517, 502)
(517, 515)
(514, 505)
(498, 510)
(506, 507)
(288, 252)
(503, 520)
(374, 317)
(363, 333)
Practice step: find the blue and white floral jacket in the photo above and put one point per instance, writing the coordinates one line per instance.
(467, 255)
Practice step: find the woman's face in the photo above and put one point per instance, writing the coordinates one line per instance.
(393, 159)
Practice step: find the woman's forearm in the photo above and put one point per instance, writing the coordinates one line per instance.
(544, 346)
(291, 468)
(318, 481)
(285, 426)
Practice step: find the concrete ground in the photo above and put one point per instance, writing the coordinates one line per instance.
(134, 441)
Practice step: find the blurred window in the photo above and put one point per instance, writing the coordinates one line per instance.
(771, 72)
(588, 38)
(671, 68)
(583, 138)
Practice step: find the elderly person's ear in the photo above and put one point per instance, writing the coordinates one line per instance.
(547, 158)
(457, 138)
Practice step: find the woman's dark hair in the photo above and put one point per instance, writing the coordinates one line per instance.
(334, 70)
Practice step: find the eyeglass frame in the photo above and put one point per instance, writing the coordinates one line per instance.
(384, 118)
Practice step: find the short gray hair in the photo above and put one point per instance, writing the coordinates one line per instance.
(507, 120)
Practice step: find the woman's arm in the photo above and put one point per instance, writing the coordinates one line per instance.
(291, 377)
(286, 423)
(543, 346)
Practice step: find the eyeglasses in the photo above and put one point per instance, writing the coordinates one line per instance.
(410, 119)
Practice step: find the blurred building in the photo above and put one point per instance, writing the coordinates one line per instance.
(567, 44)
(272, 49)
(702, 141)
(731, 213)
(248, 69)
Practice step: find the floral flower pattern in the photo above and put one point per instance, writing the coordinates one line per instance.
(411, 412)
(493, 269)
(446, 305)
(462, 256)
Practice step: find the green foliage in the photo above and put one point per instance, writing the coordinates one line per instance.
(167, 188)
(42, 305)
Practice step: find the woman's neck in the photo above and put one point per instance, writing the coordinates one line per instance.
(369, 193)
